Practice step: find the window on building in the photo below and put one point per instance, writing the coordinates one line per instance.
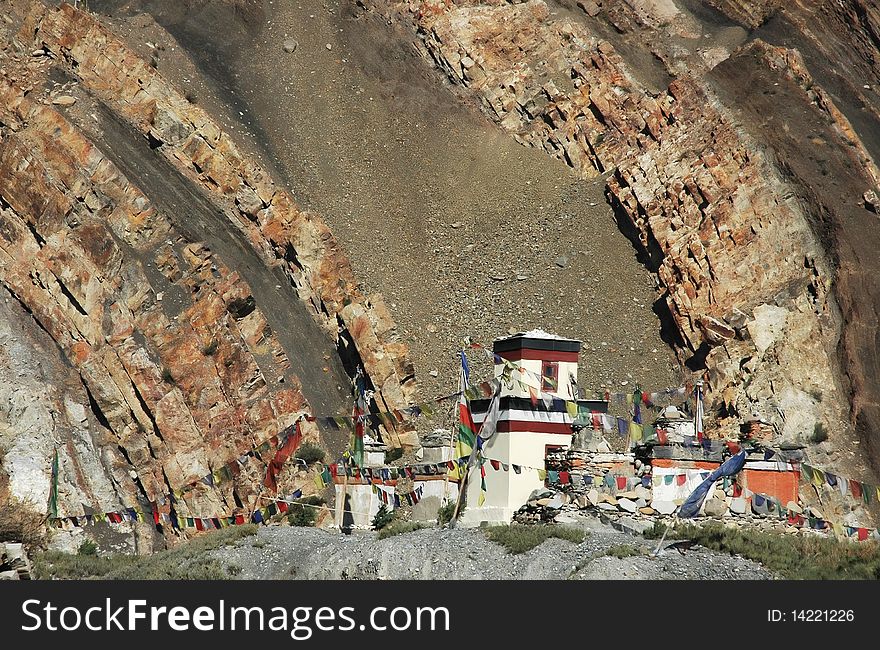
(549, 376)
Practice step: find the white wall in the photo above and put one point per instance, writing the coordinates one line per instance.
(534, 366)
(362, 502)
(507, 492)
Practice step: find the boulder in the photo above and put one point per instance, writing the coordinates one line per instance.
(715, 508)
(627, 505)
(607, 506)
(563, 518)
(768, 326)
(791, 506)
(290, 45)
(647, 510)
(872, 203)
(593, 496)
(607, 498)
(631, 526)
(64, 100)
(589, 7)
(663, 507)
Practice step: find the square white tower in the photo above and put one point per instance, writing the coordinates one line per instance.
(530, 424)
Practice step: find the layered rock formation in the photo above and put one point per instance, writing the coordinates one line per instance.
(751, 13)
(154, 361)
(300, 244)
(746, 281)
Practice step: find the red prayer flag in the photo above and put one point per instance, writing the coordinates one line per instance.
(855, 489)
(533, 395)
(863, 534)
(290, 445)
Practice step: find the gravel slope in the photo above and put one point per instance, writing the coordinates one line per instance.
(464, 231)
(466, 554)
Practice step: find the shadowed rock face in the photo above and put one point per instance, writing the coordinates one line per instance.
(169, 364)
(746, 249)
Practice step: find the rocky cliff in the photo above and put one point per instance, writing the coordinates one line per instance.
(154, 362)
(753, 285)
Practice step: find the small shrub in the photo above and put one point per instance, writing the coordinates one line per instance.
(167, 376)
(656, 532)
(300, 514)
(188, 561)
(210, 348)
(621, 551)
(795, 557)
(820, 434)
(383, 517)
(18, 523)
(398, 528)
(191, 97)
(310, 453)
(393, 454)
(88, 547)
(444, 514)
(518, 538)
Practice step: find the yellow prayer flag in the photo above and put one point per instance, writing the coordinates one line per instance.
(572, 409)
(635, 431)
(542, 474)
(319, 482)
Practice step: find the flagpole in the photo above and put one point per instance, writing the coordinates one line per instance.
(462, 485)
(698, 410)
(452, 456)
